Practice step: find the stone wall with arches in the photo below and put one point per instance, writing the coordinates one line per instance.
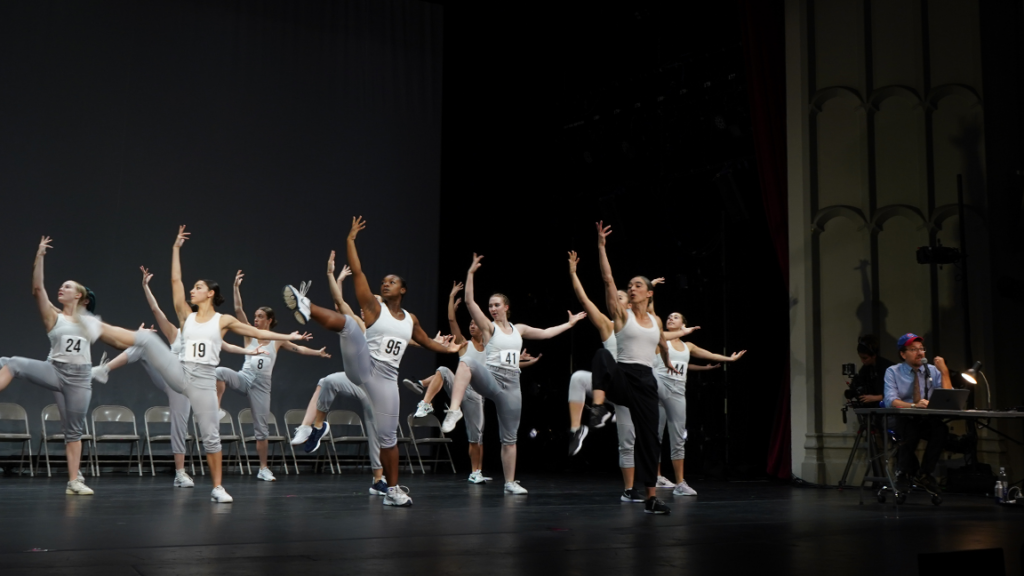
(884, 112)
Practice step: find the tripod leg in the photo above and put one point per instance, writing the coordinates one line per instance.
(853, 454)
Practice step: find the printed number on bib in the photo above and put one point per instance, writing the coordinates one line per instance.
(679, 366)
(261, 362)
(392, 347)
(510, 358)
(74, 345)
(198, 350)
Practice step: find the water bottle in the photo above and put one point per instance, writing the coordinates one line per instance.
(1004, 485)
(998, 492)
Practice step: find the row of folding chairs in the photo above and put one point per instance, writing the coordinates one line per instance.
(346, 429)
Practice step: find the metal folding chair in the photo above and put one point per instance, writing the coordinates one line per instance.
(15, 413)
(293, 419)
(52, 414)
(232, 439)
(429, 421)
(162, 415)
(273, 438)
(351, 431)
(113, 416)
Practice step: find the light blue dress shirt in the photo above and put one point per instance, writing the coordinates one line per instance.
(899, 382)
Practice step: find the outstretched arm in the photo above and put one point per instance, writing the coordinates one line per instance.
(663, 348)
(369, 304)
(177, 287)
(597, 318)
(170, 331)
(232, 349)
(231, 323)
(611, 295)
(531, 333)
(481, 319)
(303, 350)
(526, 359)
(46, 309)
(702, 367)
(698, 352)
(684, 331)
(420, 337)
(239, 310)
(453, 323)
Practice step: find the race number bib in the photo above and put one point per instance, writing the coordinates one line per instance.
(71, 346)
(199, 351)
(261, 363)
(509, 359)
(391, 349)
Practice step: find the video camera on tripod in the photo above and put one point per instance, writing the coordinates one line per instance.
(855, 389)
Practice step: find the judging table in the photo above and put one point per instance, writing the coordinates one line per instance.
(976, 416)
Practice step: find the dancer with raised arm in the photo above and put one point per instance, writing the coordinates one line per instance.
(178, 403)
(472, 403)
(628, 379)
(498, 377)
(370, 361)
(672, 392)
(254, 379)
(68, 367)
(193, 371)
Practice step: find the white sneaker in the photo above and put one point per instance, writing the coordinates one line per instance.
(514, 488)
(221, 495)
(296, 300)
(414, 385)
(183, 480)
(77, 487)
(102, 372)
(80, 477)
(397, 496)
(477, 477)
(683, 489)
(266, 475)
(301, 434)
(422, 409)
(664, 483)
(221, 414)
(451, 418)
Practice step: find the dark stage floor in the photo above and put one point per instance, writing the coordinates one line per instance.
(319, 524)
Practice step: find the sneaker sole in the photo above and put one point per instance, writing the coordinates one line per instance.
(222, 501)
(390, 503)
(267, 479)
(176, 485)
(657, 511)
(630, 500)
(471, 481)
(586, 430)
(293, 304)
(417, 388)
(377, 493)
(73, 493)
(603, 421)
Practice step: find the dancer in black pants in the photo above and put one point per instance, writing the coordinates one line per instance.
(629, 381)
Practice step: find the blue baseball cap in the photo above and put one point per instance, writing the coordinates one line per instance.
(906, 339)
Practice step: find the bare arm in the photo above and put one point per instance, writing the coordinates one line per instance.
(232, 349)
(611, 295)
(663, 348)
(526, 359)
(170, 331)
(239, 310)
(481, 319)
(597, 318)
(453, 323)
(369, 304)
(231, 323)
(46, 309)
(702, 367)
(177, 287)
(420, 337)
(684, 331)
(303, 350)
(698, 352)
(531, 333)
(335, 286)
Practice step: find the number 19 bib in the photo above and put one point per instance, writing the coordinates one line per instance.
(199, 351)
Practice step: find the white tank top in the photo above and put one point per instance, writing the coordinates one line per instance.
(177, 345)
(473, 354)
(502, 349)
(261, 365)
(388, 337)
(201, 341)
(636, 343)
(69, 342)
(680, 359)
(611, 345)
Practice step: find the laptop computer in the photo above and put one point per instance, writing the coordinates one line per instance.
(948, 399)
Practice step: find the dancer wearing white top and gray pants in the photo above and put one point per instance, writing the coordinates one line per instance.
(67, 369)
(255, 378)
(371, 361)
(192, 372)
(498, 379)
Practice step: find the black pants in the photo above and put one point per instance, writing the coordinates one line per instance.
(911, 430)
(633, 386)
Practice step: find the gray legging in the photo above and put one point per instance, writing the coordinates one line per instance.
(472, 407)
(178, 403)
(258, 390)
(338, 384)
(378, 379)
(501, 386)
(197, 382)
(70, 383)
(672, 404)
(581, 387)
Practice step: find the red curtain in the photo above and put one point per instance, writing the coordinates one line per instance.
(764, 51)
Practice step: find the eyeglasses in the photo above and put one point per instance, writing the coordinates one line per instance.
(915, 350)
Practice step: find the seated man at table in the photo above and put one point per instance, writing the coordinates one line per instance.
(910, 385)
